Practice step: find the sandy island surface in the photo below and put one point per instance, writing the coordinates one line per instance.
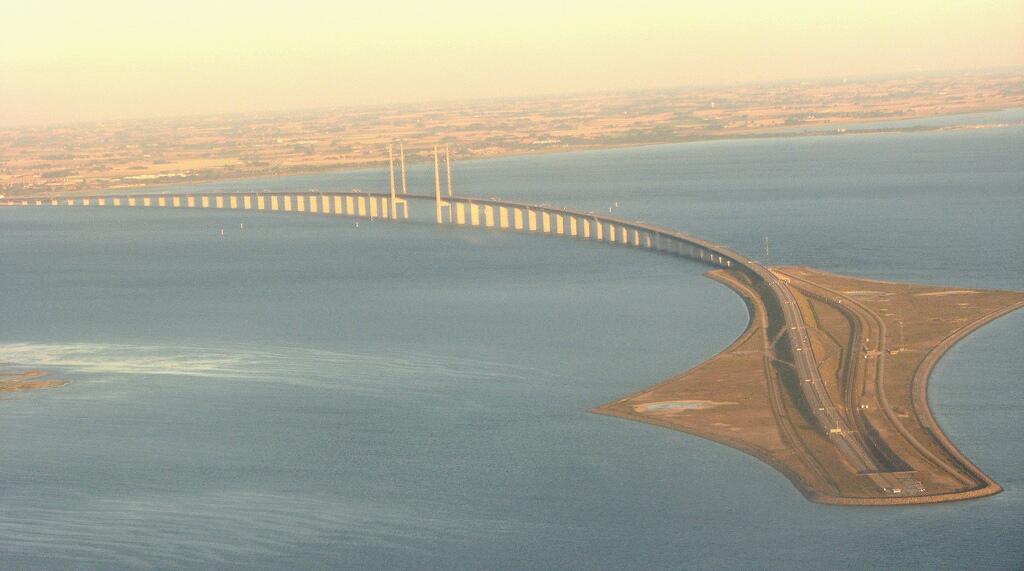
(18, 381)
(876, 343)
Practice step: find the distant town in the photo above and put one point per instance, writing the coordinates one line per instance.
(127, 154)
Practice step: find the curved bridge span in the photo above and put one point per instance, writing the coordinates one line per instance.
(790, 352)
(459, 211)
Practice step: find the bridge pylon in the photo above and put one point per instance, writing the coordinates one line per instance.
(440, 203)
(395, 201)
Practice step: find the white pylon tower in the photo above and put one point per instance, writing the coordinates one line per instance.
(437, 188)
(401, 155)
(396, 201)
(391, 171)
(448, 168)
(439, 202)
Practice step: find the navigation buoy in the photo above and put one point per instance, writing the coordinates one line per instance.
(221, 231)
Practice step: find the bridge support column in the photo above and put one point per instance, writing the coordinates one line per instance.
(599, 230)
(531, 219)
(338, 208)
(517, 218)
(474, 214)
(573, 230)
(586, 229)
(247, 202)
(460, 213)
(560, 224)
(233, 202)
(488, 216)
(546, 221)
(261, 202)
(350, 205)
(503, 217)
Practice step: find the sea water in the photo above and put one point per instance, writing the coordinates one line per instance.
(305, 393)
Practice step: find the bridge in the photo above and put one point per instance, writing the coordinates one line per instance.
(791, 353)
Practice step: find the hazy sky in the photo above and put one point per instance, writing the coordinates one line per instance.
(95, 59)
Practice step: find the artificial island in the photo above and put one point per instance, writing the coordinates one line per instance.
(827, 384)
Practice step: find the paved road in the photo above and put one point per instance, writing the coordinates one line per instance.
(847, 440)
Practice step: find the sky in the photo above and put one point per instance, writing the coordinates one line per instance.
(71, 61)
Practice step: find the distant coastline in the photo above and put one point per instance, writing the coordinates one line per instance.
(851, 128)
(977, 117)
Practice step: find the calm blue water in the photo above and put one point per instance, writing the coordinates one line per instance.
(306, 393)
